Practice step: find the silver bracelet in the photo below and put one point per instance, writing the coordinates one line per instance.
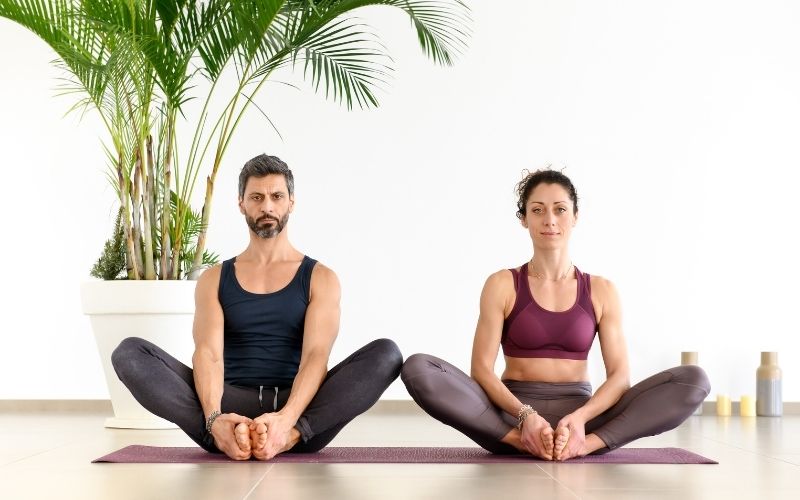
(211, 418)
(524, 412)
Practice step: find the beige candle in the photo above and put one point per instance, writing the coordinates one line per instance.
(688, 358)
(747, 406)
(723, 405)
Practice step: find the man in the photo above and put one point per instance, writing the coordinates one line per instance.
(264, 325)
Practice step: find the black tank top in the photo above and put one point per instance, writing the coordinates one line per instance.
(263, 331)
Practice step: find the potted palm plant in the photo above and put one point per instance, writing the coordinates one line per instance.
(136, 63)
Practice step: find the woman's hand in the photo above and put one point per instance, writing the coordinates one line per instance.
(570, 438)
(537, 437)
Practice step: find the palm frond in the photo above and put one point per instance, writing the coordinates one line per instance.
(442, 27)
(345, 58)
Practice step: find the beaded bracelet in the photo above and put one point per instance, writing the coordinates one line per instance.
(211, 418)
(524, 412)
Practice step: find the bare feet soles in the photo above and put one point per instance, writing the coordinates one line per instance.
(258, 436)
(548, 442)
(561, 439)
(242, 434)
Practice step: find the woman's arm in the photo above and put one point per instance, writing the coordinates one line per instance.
(495, 300)
(536, 435)
(570, 440)
(614, 351)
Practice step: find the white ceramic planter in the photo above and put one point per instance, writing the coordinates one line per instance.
(158, 311)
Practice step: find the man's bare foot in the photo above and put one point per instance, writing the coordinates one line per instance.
(242, 434)
(258, 440)
(258, 436)
(561, 438)
(548, 441)
(294, 438)
(268, 452)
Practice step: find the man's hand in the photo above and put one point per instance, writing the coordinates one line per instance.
(280, 435)
(537, 437)
(222, 430)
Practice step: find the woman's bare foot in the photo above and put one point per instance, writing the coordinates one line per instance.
(592, 444)
(514, 438)
(561, 439)
(242, 434)
(548, 441)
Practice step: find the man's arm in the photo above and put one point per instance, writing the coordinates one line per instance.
(208, 332)
(320, 330)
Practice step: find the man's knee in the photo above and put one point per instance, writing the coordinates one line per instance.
(387, 355)
(124, 356)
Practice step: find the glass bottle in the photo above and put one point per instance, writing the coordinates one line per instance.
(769, 399)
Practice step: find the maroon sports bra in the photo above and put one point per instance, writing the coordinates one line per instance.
(531, 331)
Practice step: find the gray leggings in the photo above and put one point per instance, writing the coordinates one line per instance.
(165, 387)
(654, 405)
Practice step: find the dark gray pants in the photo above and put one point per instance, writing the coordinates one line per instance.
(165, 387)
(654, 405)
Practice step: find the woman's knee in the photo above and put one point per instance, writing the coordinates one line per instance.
(691, 375)
(418, 365)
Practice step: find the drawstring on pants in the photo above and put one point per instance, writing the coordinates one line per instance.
(261, 398)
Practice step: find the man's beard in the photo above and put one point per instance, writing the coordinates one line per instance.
(267, 231)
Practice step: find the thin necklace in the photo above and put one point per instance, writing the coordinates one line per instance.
(541, 275)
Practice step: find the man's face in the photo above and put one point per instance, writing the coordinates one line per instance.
(266, 205)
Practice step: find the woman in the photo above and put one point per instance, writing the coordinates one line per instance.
(545, 315)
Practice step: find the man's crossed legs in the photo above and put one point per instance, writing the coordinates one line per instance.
(251, 423)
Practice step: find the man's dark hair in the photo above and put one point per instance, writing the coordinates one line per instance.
(262, 166)
(548, 176)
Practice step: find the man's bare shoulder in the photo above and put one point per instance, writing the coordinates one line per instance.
(323, 276)
(209, 280)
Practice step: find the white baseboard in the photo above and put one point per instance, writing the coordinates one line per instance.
(384, 406)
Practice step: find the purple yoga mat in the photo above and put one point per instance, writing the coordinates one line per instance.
(398, 455)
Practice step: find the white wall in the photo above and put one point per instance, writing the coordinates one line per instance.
(678, 122)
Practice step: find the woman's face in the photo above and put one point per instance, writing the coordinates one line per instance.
(549, 216)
